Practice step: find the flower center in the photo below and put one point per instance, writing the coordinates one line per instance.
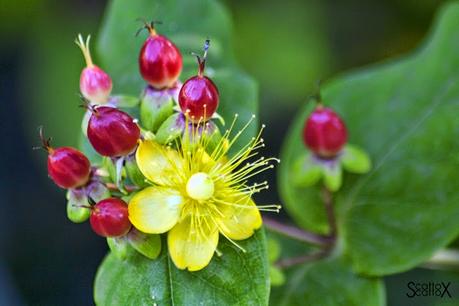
(200, 186)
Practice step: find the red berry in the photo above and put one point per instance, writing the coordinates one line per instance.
(68, 167)
(95, 84)
(112, 132)
(199, 97)
(325, 132)
(160, 61)
(109, 218)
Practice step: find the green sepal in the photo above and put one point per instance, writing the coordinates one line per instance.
(75, 210)
(355, 160)
(119, 246)
(333, 175)
(123, 101)
(277, 276)
(274, 250)
(305, 171)
(155, 107)
(171, 129)
(107, 164)
(133, 172)
(149, 245)
(97, 191)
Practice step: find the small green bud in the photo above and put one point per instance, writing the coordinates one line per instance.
(156, 106)
(149, 245)
(77, 206)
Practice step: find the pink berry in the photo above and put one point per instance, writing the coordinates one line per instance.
(160, 61)
(112, 132)
(68, 167)
(325, 132)
(95, 84)
(199, 97)
(109, 218)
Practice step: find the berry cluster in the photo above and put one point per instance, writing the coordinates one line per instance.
(169, 172)
(100, 192)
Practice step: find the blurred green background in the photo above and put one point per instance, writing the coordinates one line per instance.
(286, 45)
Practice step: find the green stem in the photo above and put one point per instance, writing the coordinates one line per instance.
(296, 233)
(328, 203)
(445, 259)
(293, 261)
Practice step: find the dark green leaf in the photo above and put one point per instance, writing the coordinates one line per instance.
(328, 283)
(404, 114)
(235, 278)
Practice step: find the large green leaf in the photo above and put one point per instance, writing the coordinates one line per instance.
(404, 113)
(235, 277)
(329, 283)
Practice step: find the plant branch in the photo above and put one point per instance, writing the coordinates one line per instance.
(328, 202)
(445, 259)
(293, 261)
(296, 233)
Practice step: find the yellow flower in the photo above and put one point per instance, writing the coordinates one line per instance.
(195, 196)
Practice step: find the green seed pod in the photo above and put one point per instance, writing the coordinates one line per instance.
(77, 206)
(149, 245)
(156, 106)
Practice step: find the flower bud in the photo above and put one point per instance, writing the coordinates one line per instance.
(95, 84)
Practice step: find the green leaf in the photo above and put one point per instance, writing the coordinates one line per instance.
(235, 278)
(146, 244)
(75, 212)
(404, 114)
(329, 283)
(355, 160)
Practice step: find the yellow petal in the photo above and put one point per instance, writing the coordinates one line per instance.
(155, 210)
(192, 244)
(159, 164)
(240, 219)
